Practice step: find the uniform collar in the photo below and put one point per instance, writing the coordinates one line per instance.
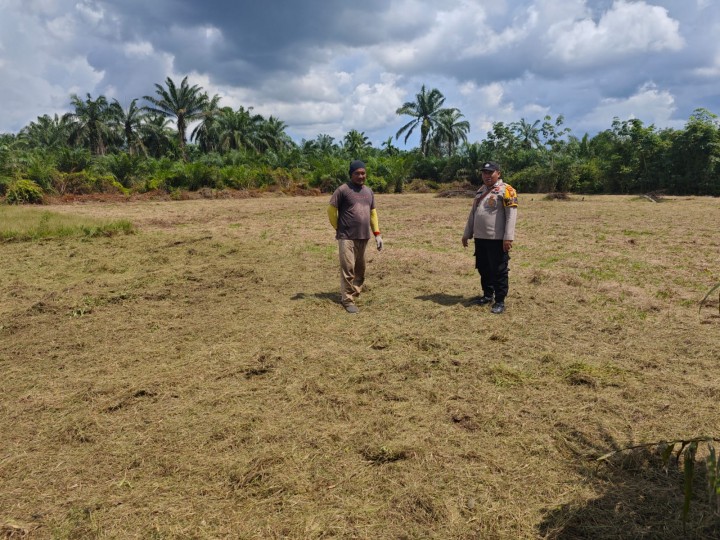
(484, 188)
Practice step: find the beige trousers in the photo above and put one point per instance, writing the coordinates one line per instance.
(352, 269)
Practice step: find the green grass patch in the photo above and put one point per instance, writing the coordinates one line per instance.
(635, 234)
(27, 224)
(505, 376)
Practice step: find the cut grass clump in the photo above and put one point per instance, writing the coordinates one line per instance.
(24, 224)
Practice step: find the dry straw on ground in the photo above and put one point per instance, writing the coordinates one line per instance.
(197, 379)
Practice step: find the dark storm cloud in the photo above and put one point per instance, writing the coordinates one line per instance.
(255, 38)
(330, 65)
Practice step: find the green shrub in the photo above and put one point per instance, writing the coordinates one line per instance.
(86, 182)
(192, 176)
(24, 192)
(528, 180)
(237, 177)
(5, 182)
(124, 167)
(40, 168)
(73, 160)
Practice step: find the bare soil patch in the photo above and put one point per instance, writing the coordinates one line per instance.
(198, 379)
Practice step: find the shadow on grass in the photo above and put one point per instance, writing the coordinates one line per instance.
(446, 299)
(638, 498)
(330, 296)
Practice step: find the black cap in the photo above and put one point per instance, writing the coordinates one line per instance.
(355, 165)
(490, 166)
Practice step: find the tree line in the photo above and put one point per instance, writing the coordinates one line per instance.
(180, 137)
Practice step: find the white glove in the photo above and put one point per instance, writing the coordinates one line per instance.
(379, 242)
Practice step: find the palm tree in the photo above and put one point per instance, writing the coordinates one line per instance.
(529, 134)
(47, 132)
(273, 136)
(92, 122)
(355, 142)
(205, 133)
(450, 130)
(130, 123)
(424, 110)
(185, 104)
(239, 129)
(472, 156)
(323, 145)
(157, 135)
(389, 148)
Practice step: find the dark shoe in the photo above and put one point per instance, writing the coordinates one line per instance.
(497, 308)
(482, 300)
(351, 308)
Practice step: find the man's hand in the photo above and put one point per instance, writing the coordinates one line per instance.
(465, 242)
(507, 245)
(379, 242)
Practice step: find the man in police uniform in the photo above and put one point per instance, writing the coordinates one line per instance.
(492, 224)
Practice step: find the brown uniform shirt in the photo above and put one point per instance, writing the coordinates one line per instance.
(354, 204)
(493, 214)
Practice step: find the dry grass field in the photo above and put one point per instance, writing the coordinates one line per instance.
(198, 379)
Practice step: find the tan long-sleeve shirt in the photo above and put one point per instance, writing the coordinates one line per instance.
(493, 214)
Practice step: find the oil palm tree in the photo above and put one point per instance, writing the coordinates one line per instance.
(527, 133)
(129, 121)
(92, 123)
(157, 135)
(355, 142)
(182, 103)
(239, 129)
(47, 132)
(389, 148)
(424, 110)
(450, 131)
(273, 135)
(205, 134)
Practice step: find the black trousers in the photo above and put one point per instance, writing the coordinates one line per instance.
(492, 264)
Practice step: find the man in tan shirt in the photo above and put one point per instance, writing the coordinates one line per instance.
(492, 224)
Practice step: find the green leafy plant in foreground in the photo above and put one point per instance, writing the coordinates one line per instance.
(687, 451)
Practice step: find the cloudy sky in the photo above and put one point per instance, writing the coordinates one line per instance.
(329, 66)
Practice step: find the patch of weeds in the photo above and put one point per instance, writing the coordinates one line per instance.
(20, 224)
(506, 377)
(583, 374)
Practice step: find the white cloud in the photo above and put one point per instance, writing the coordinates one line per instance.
(138, 48)
(373, 106)
(626, 29)
(649, 104)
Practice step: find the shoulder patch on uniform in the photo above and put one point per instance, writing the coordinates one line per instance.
(510, 198)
